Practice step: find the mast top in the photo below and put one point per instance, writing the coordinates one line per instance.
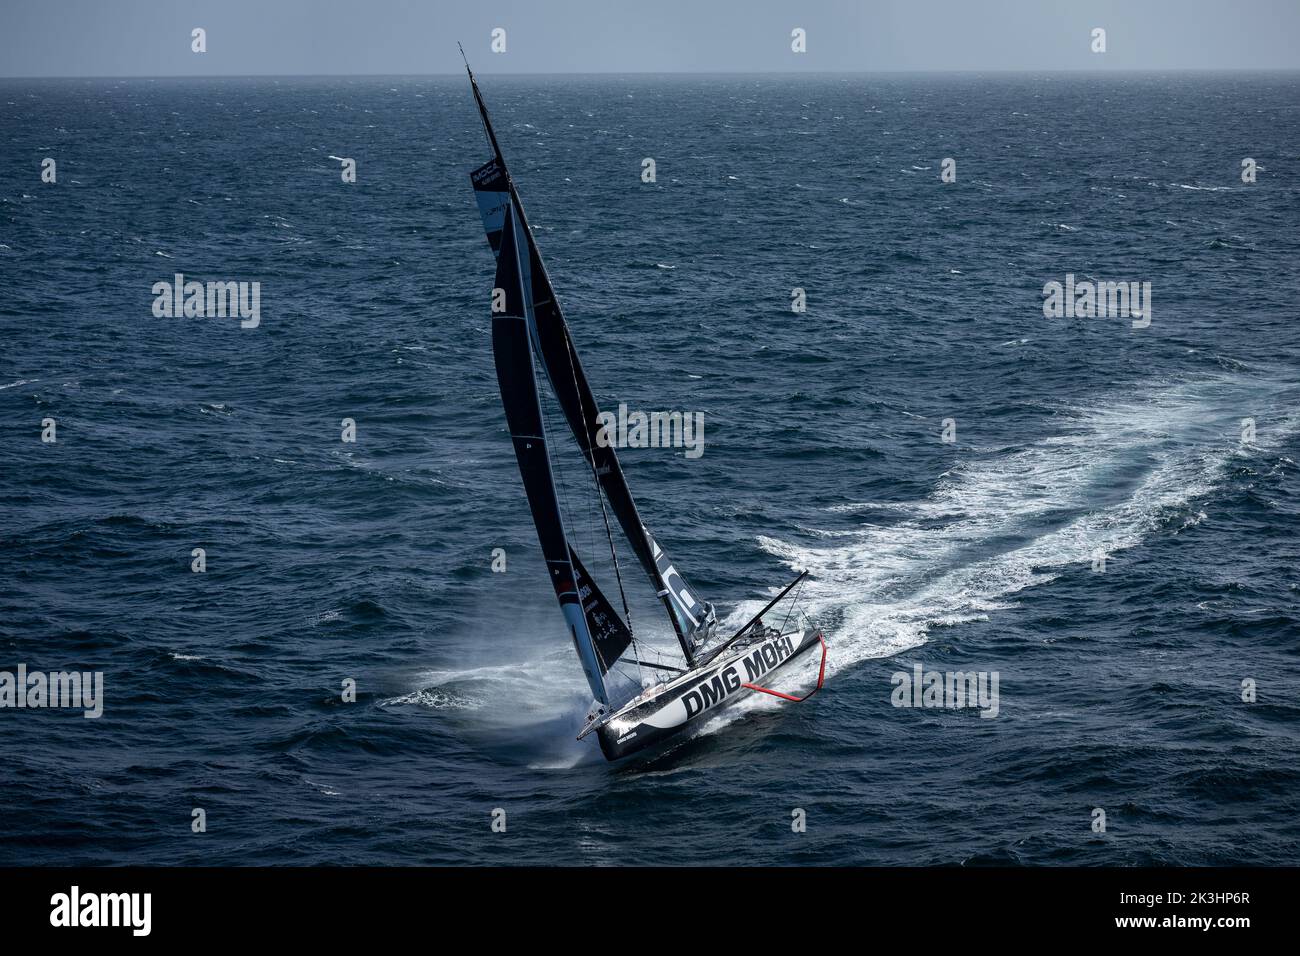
(483, 115)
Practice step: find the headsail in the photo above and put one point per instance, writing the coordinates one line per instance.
(495, 193)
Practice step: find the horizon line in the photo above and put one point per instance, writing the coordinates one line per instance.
(522, 73)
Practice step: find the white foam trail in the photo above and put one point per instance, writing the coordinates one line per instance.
(435, 700)
(998, 524)
(540, 688)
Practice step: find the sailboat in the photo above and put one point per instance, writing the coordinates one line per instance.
(532, 346)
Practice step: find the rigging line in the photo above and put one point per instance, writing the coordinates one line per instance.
(566, 511)
(591, 524)
(615, 669)
(595, 477)
(793, 604)
(570, 521)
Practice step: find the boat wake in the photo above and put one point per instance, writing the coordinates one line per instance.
(1000, 523)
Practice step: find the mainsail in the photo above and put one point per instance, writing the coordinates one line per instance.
(577, 593)
(507, 228)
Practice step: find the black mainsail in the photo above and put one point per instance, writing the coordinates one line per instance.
(531, 298)
(580, 599)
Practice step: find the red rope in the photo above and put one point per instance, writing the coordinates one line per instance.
(821, 677)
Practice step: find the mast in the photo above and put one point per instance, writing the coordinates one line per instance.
(692, 619)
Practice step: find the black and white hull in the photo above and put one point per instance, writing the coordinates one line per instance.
(670, 708)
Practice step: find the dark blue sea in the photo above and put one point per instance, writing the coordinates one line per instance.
(1121, 689)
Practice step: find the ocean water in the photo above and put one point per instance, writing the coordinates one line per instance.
(371, 561)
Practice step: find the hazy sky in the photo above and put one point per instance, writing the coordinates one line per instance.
(152, 37)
